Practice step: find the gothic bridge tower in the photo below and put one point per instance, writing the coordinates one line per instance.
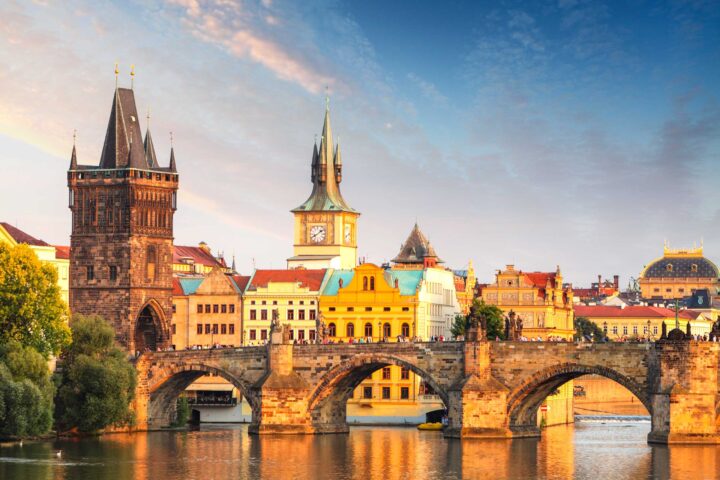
(122, 232)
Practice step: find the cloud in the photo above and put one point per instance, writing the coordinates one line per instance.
(428, 89)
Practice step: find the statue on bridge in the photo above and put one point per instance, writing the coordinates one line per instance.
(477, 330)
(320, 329)
(715, 332)
(513, 326)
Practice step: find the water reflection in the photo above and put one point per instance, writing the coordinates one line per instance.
(586, 450)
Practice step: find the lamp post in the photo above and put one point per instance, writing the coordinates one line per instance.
(649, 333)
(605, 330)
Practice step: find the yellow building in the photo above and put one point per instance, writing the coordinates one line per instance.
(293, 293)
(538, 298)
(325, 234)
(642, 321)
(678, 274)
(465, 283)
(58, 257)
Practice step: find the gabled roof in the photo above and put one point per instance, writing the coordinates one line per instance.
(416, 248)
(62, 252)
(630, 312)
(312, 279)
(197, 254)
(539, 279)
(240, 282)
(325, 194)
(408, 280)
(21, 237)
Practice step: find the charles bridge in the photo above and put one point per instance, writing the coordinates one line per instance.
(490, 389)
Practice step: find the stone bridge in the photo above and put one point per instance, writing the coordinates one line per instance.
(491, 389)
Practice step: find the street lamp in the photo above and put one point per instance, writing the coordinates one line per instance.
(649, 333)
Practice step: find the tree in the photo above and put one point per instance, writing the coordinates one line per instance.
(493, 314)
(26, 392)
(31, 308)
(98, 382)
(585, 327)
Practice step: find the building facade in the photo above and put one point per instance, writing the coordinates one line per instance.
(122, 232)
(538, 298)
(678, 274)
(325, 234)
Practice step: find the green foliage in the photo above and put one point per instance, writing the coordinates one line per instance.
(183, 412)
(585, 327)
(26, 392)
(493, 314)
(98, 381)
(31, 308)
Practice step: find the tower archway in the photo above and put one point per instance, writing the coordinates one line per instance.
(148, 333)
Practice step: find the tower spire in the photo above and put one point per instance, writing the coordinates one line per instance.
(173, 166)
(149, 146)
(73, 155)
(132, 77)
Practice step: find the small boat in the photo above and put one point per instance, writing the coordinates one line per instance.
(430, 426)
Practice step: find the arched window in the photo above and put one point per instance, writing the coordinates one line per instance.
(669, 267)
(368, 329)
(386, 330)
(331, 330)
(405, 329)
(151, 262)
(372, 283)
(350, 330)
(365, 283)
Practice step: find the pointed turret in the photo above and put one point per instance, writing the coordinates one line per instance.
(119, 151)
(150, 156)
(417, 251)
(338, 163)
(325, 175)
(73, 159)
(173, 167)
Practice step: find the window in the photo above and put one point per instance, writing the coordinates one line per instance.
(635, 330)
(174, 308)
(302, 302)
(216, 308)
(263, 302)
(301, 314)
(312, 314)
(656, 290)
(223, 329)
(274, 302)
(311, 335)
(90, 272)
(253, 334)
(404, 393)
(331, 330)
(215, 329)
(331, 309)
(207, 308)
(681, 290)
(615, 330)
(292, 334)
(655, 329)
(199, 329)
(404, 374)
(290, 302)
(350, 309)
(669, 267)
(252, 302)
(372, 283)
(365, 283)
(263, 314)
(113, 273)
(350, 330)
(232, 308)
(263, 334)
(386, 309)
(405, 309)
(312, 302)
(386, 373)
(668, 290)
(232, 329)
(151, 262)
(173, 329)
(625, 330)
(386, 393)
(223, 308)
(291, 314)
(367, 392)
(693, 267)
(207, 328)
(386, 330)
(405, 330)
(368, 309)
(368, 329)
(253, 314)
(199, 308)
(301, 334)
(645, 329)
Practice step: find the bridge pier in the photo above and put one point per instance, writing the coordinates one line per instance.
(685, 399)
(478, 402)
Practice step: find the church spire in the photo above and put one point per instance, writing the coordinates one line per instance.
(149, 147)
(73, 155)
(173, 166)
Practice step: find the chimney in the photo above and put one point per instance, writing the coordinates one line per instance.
(340, 282)
(397, 283)
(616, 281)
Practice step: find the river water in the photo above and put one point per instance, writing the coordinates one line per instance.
(597, 449)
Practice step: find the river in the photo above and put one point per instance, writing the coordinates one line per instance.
(597, 449)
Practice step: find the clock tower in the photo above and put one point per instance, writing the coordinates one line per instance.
(325, 226)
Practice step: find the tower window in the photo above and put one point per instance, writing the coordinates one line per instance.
(365, 283)
(372, 283)
(113, 273)
(90, 272)
(151, 264)
(694, 268)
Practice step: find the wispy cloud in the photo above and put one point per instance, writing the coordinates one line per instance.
(428, 89)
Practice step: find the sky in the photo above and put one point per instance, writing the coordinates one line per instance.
(576, 133)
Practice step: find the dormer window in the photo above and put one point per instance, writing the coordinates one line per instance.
(669, 267)
(694, 268)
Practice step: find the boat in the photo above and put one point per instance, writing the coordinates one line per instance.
(430, 426)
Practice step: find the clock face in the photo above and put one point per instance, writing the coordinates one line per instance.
(317, 233)
(348, 233)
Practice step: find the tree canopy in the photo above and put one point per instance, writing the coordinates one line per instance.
(26, 392)
(98, 382)
(493, 314)
(585, 327)
(32, 311)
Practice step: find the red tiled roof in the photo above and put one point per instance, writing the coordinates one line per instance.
(308, 278)
(539, 279)
(241, 281)
(633, 312)
(177, 288)
(197, 254)
(62, 251)
(21, 237)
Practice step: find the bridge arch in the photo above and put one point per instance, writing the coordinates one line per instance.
(524, 400)
(327, 401)
(174, 379)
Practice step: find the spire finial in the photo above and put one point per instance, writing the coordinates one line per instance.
(327, 98)
(132, 76)
(74, 136)
(171, 139)
(117, 72)
(148, 118)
